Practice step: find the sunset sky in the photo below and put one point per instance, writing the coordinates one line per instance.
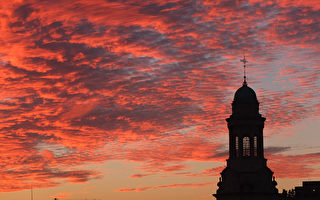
(127, 99)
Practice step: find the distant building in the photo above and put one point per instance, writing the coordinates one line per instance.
(310, 190)
(247, 176)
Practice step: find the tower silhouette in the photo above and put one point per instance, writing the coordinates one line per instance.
(247, 176)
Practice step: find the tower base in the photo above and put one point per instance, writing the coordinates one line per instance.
(246, 196)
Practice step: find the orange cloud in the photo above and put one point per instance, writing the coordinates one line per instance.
(151, 82)
(61, 195)
(183, 185)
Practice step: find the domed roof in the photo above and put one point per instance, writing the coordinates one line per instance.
(245, 95)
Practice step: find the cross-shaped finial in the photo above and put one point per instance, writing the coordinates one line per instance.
(244, 60)
(244, 70)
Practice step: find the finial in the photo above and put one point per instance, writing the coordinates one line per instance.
(244, 69)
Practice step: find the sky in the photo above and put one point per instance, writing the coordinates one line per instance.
(119, 99)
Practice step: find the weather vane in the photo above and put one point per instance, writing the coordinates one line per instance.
(244, 69)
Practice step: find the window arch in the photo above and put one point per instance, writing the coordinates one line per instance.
(255, 146)
(246, 146)
(237, 146)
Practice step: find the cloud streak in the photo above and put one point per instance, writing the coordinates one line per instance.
(192, 185)
(151, 82)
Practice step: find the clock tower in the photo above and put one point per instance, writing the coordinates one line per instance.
(247, 176)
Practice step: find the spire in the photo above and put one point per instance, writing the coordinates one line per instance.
(31, 192)
(244, 69)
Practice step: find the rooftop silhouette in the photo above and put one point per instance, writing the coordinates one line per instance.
(310, 190)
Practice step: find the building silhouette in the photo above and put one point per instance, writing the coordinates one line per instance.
(310, 190)
(247, 176)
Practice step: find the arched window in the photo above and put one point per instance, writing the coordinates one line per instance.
(237, 146)
(255, 146)
(246, 146)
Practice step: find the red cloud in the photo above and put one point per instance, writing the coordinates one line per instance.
(183, 185)
(139, 175)
(150, 82)
(61, 195)
(293, 166)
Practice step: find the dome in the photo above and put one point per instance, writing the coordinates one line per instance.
(245, 95)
